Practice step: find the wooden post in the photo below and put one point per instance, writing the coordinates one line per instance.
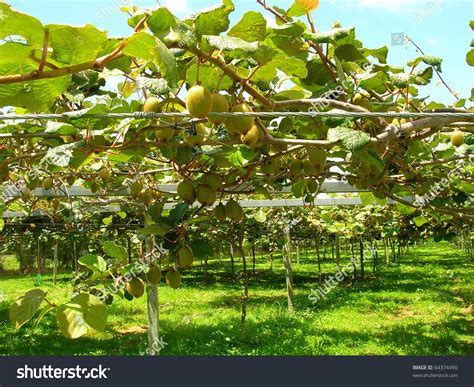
(75, 255)
(55, 261)
(288, 272)
(361, 251)
(338, 252)
(318, 255)
(245, 280)
(231, 247)
(153, 305)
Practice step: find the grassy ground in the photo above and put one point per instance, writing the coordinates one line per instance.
(419, 306)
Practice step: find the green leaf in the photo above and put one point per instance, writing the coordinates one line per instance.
(75, 45)
(252, 27)
(432, 61)
(25, 307)
(374, 82)
(379, 53)
(85, 314)
(350, 53)
(201, 248)
(115, 251)
(470, 58)
(60, 156)
(353, 140)
(60, 128)
(420, 221)
(156, 229)
(145, 46)
(94, 262)
(330, 36)
(405, 210)
(13, 23)
(228, 43)
(298, 189)
(214, 20)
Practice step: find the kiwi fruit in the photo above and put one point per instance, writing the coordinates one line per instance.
(71, 180)
(199, 135)
(146, 197)
(317, 156)
(205, 195)
(219, 105)
(105, 174)
(312, 186)
(136, 189)
(234, 211)
(152, 105)
(199, 101)
(56, 203)
(251, 137)
(185, 257)
(309, 169)
(173, 279)
(269, 167)
(212, 180)
(242, 125)
(186, 192)
(457, 138)
(296, 167)
(165, 134)
(154, 275)
(219, 212)
(135, 287)
(362, 101)
(47, 183)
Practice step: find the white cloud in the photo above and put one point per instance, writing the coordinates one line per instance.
(177, 7)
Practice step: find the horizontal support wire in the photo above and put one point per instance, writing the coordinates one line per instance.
(270, 115)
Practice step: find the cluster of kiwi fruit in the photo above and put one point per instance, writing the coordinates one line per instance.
(204, 191)
(145, 196)
(369, 176)
(231, 210)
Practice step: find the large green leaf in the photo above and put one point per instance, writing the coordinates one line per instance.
(201, 248)
(13, 23)
(115, 251)
(25, 307)
(94, 262)
(146, 46)
(252, 27)
(330, 36)
(75, 45)
(85, 314)
(352, 139)
(228, 43)
(213, 21)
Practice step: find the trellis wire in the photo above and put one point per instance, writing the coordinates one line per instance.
(270, 115)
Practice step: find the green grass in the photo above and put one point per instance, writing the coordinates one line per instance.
(418, 306)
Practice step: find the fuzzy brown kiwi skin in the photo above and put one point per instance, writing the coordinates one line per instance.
(242, 125)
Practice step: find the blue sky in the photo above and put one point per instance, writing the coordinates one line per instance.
(440, 27)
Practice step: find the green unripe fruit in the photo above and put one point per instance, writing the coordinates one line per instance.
(242, 125)
(212, 180)
(234, 211)
(198, 137)
(186, 192)
(362, 101)
(71, 180)
(269, 167)
(152, 105)
(146, 197)
(206, 195)
(219, 212)
(219, 105)
(173, 279)
(296, 167)
(251, 138)
(317, 157)
(154, 275)
(55, 203)
(47, 183)
(135, 287)
(136, 189)
(457, 138)
(165, 134)
(309, 169)
(32, 182)
(105, 174)
(312, 186)
(185, 257)
(199, 101)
